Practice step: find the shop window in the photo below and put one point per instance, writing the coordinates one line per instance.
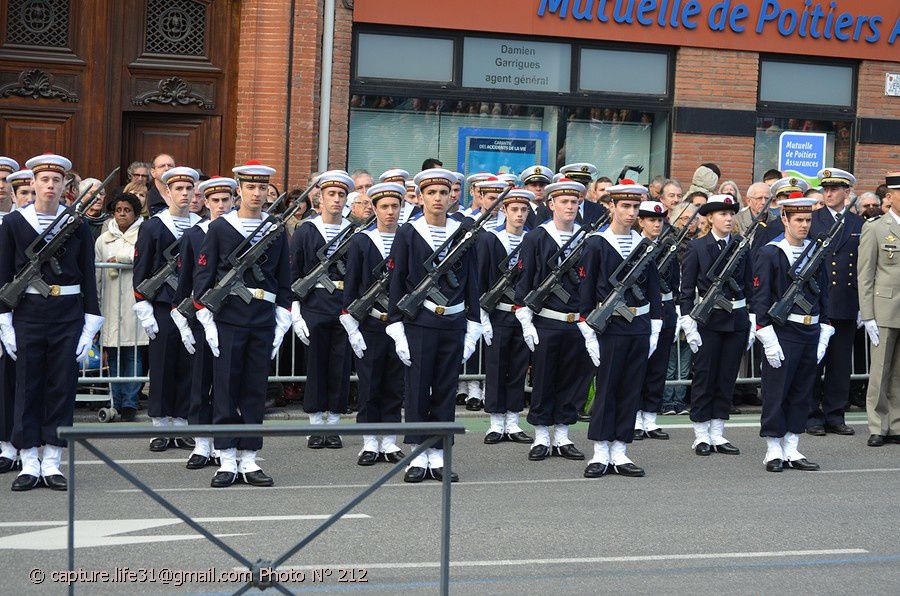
(399, 57)
(615, 71)
(838, 145)
(808, 84)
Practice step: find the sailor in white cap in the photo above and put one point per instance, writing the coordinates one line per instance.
(471, 183)
(435, 341)
(588, 211)
(792, 350)
(719, 343)
(316, 316)
(410, 208)
(22, 183)
(377, 364)
(841, 270)
(621, 353)
(9, 456)
(506, 355)
(535, 179)
(48, 337)
(561, 367)
(7, 167)
(244, 337)
(157, 245)
(396, 175)
(456, 191)
(218, 197)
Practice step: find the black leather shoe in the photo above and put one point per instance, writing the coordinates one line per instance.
(473, 404)
(316, 442)
(25, 482)
(839, 429)
(596, 470)
(658, 433)
(367, 458)
(223, 479)
(539, 453)
(638, 435)
(493, 438)
(774, 465)
(184, 443)
(702, 449)
(461, 398)
(6, 465)
(333, 442)
(725, 448)
(803, 465)
(159, 444)
(127, 414)
(438, 474)
(875, 441)
(519, 437)
(197, 462)
(816, 431)
(394, 457)
(895, 439)
(257, 478)
(415, 475)
(629, 470)
(569, 451)
(56, 482)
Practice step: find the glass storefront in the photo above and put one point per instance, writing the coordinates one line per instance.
(838, 135)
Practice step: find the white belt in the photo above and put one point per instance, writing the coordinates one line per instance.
(804, 319)
(635, 310)
(565, 317)
(337, 283)
(666, 297)
(444, 310)
(736, 304)
(504, 307)
(261, 294)
(377, 314)
(57, 290)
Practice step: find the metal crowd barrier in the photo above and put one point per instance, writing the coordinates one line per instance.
(438, 433)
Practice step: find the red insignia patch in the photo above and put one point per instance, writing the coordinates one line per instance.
(178, 262)
(201, 260)
(390, 264)
(135, 252)
(582, 273)
(658, 208)
(520, 265)
(756, 281)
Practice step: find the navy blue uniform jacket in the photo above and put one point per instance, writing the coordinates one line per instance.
(364, 268)
(308, 238)
(840, 266)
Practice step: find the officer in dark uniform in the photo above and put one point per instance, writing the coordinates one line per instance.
(377, 364)
(625, 347)
(170, 370)
(439, 338)
(506, 355)
(535, 179)
(791, 350)
(720, 342)
(316, 317)
(830, 397)
(242, 337)
(47, 337)
(9, 456)
(218, 196)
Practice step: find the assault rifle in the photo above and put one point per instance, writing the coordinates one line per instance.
(165, 275)
(502, 288)
(669, 246)
(53, 238)
(376, 294)
(319, 274)
(625, 278)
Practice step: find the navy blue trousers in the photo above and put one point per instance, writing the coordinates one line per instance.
(380, 379)
(830, 397)
(328, 359)
(431, 379)
(562, 371)
(201, 409)
(623, 360)
(716, 367)
(7, 396)
(506, 362)
(787, 390)
(170, 368)
(657, 366)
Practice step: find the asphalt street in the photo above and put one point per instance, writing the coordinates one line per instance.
(719, 524)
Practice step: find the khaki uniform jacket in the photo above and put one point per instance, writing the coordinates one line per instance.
(879, 271)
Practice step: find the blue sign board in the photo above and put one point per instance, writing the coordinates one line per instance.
(802, 153)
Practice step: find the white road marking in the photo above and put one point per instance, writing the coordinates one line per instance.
(860, 471)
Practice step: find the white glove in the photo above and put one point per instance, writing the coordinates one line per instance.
(300, 328)
(144, 312)
(530, 334)
(752, 336)
(351, 326)
(590, 342)
(859, 321)
(184, 328)
(769, 339)
(870, 325)
(691, 334)
(205, 316)
(8, 334)
(825, 333)
(398, 334)
(678, 328)
(92, 324)
(487, 330)
(655, 328)
(473, 332)
(282, 324)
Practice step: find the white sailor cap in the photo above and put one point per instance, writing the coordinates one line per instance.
(556, 178)
(49, 162)
(253, 171)
(492, 184)
(460, 178)
(394, 175)
(434, 176)
(20, 178)
(386, 190)
(627, 190)
(719, 203)
(8, 164)
(651, 209)
(411, 186)
(336, 178)
(564, 186)
(518, 195)
(180, 174)
(509, 178)
(835, 177)
(473, 178)
(582, 172)
(786, 186)
(217, 184)
(797, 203)
(892, 180)
(536, 174)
